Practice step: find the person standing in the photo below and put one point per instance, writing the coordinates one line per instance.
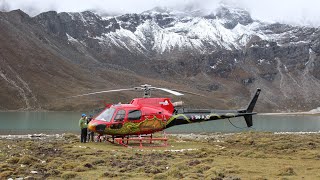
(90, 133)
(83, 126)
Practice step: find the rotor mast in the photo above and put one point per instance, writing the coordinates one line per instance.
(146, 90)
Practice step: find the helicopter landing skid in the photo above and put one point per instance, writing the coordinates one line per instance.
(142, 141)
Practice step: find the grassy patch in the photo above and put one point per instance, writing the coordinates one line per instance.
(27, 159)
(5, 174)
(13, 160)
(243, 155)
(287, 171)
(68, 175)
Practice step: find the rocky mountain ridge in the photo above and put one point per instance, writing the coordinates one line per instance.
(225, 54)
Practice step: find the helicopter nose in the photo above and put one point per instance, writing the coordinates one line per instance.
(92, 127)
(96, 126)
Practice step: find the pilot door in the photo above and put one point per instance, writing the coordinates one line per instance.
(118, 119)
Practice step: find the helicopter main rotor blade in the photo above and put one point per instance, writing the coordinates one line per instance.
(99, 92)
(170, 91)
(187, 92)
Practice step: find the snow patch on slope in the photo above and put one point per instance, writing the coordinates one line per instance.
(122, 38)
(71, 39)
(184, 33)
(163, 39)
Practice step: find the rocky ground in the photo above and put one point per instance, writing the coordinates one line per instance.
(202, 156)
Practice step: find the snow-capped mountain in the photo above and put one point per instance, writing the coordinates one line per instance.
(158, 30)
(164, 30)
(224, 51)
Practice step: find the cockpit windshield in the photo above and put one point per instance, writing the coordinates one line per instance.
(106, 115)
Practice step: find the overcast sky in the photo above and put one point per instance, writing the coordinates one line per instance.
(304, 12)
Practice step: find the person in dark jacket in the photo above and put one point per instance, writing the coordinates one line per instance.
(83, 126)
(90, 133)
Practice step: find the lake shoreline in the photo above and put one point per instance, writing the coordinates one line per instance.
(194, 136)
(291, 114)
(64, 122)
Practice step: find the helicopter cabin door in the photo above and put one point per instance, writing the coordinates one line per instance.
(118, 119)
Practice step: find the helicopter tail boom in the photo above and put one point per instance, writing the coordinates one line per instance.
(186, 116)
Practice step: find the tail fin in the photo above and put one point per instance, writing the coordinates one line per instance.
(249, 110)
(248, 119)
(253, 101)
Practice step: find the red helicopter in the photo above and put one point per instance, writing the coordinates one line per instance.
(148, 115)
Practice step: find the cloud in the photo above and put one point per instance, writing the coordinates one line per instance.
(4, 6)
(304, 12)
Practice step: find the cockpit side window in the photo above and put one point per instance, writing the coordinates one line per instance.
(134, 115)
(120, 115)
